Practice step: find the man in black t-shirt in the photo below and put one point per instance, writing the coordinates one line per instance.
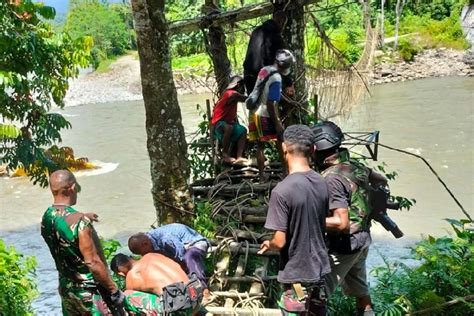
(296, 213)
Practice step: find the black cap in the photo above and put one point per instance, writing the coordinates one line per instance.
(299, 134)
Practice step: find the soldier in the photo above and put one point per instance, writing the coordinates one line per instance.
(348, 223)
(84, 281)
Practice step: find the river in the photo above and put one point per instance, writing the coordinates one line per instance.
(432, 117)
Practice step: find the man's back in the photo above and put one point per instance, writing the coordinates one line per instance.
(153, 272)
(302, 198)
(60, 227)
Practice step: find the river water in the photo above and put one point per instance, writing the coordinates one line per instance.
(432, 117)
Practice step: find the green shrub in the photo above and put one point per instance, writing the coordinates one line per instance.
(445, 272)
(104, 24)
(17, 281)
(110, 247)
(407, 49)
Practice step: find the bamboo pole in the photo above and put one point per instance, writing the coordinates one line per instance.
(229, 17)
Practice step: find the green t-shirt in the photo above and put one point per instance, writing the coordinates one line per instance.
(63, 242)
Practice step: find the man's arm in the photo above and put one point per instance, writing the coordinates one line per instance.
(339, 221)
(277, 242)
(274, 96)
(236, 97)
(93, 260)
(277, 220)
(339, 199)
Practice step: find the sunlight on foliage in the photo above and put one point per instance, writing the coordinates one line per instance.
(17, 281)
(35, 64)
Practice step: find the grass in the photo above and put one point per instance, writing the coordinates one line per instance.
(104, 65)
(199, 63)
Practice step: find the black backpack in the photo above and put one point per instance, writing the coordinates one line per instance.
(180, 296)
(254, 97)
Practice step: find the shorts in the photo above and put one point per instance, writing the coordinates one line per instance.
(349, 271)
(261, 128)
(80, 301)
(237, 131)
(315, 304)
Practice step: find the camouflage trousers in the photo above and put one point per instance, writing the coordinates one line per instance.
(87, 302)
(141, 303)
(82, 301)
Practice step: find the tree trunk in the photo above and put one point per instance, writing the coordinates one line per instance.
(216, 47)
(294, 37)
(398, 12)
(165, 133)
(382, 24)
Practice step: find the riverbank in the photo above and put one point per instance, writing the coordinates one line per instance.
(441, 62)
(122, 81)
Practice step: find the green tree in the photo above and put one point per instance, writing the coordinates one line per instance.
(35, 65)
(104, 24)
(17, 282)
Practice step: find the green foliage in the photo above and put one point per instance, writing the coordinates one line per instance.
(35, 66)
(407, 49)
(445, 271)
(17, 282)
(110, 247)
(405, 203)
(440, 30)
(199, 150)
(8, 131)
(203, 223)
(195, 64)
(106, 24)
(189, 43)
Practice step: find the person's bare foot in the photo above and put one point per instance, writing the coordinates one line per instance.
(228, 159)
(241, 161)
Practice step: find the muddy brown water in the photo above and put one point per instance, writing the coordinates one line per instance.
(432, 117)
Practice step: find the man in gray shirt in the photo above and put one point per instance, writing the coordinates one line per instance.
(296, 213)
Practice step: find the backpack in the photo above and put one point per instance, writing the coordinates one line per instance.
(254, 97)
(179, 296)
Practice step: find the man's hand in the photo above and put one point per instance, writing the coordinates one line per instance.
(264, 247)
(117, 298)
(290, 91)
(92, 216)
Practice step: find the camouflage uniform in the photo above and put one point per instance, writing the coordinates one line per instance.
(141, 303)
(357, 174)
(78, 290)
(348, 252)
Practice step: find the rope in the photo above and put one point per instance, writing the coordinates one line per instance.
(431, 169)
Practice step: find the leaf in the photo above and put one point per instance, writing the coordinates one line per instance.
(454, 222)
(47, 12)
(8, 131)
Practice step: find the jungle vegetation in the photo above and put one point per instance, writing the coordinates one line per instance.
(428, 24)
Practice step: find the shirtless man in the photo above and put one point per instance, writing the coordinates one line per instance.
(150, 274)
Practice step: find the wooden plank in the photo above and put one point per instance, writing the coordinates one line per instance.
(234, 294)
(228, 17)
